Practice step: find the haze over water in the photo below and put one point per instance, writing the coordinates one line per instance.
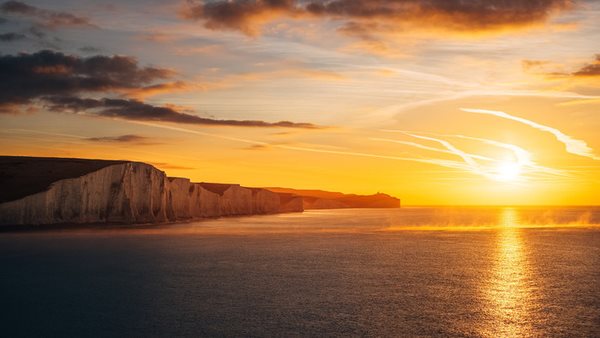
(412, 271)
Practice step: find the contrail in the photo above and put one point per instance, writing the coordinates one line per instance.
(523, 157)
(438, 162)
(573, 146)
(471, 163)
(422, 146)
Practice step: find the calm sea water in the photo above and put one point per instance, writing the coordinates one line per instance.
(411, 272)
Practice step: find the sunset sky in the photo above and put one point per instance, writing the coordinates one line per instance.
(433, 101)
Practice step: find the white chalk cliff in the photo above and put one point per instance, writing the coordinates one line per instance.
(135, 193)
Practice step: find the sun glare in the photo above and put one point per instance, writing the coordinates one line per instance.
(508, 171)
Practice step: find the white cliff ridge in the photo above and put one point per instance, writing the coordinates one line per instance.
(133, 193)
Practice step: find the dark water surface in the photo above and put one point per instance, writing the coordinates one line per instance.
(409, 272)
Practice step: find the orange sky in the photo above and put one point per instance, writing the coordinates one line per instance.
(449, 105)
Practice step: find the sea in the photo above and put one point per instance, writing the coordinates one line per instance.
(409, 272)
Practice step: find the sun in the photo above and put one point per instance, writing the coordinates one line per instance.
(508, 171)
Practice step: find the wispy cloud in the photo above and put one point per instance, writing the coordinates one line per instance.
(469, 165)
(573, 146)
(426, 147)
(438, 162)
(451, 148)
(128, 138)
(47, 18)
(522, 157)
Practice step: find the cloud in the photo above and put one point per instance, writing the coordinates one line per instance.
(437, 162)
(57, 81)
(426, 147)
(257, 147)
(160, 88)
(129, 138)
(522, 156)
(140, 111)
(25, 77)
(452, 149)
(9, 37)
(489, 166)
(554, 70)
(241, 15)
(573, 146)
(366, 17)
(89, 49)
(591, 69)
(47, 18)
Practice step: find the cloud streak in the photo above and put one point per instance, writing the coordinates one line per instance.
(47, 18)
(9, 37)
(140, 111)
(437, 162)
(573, 146)
(129, 138)
(425, 147)
(591, 69)
(522, 158)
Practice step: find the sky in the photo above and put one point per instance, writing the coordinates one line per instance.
(437, 102)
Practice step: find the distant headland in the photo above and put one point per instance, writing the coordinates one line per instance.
(45, 190)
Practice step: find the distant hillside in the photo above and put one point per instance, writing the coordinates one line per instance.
(319, 199)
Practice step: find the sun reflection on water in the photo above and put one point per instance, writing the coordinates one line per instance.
(507, 292)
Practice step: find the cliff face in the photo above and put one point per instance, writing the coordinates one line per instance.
(55, 191)
(291, 202)
(265, 201)
(133, 193)
(128, 193)
(179, 199)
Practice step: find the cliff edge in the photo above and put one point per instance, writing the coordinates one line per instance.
(39, 191)
(63, 191)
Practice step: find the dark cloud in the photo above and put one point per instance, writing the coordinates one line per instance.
(45, 17)
(89, 49)
(130, 138)
(57, 81)
(37, 31)
(25, 77)
(140, 111)
(8, 37)
(555, 70)
(240, 15)
(257, 147)
(591, 69)
(363, 17)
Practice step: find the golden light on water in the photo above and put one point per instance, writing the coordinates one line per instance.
(507, 291)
